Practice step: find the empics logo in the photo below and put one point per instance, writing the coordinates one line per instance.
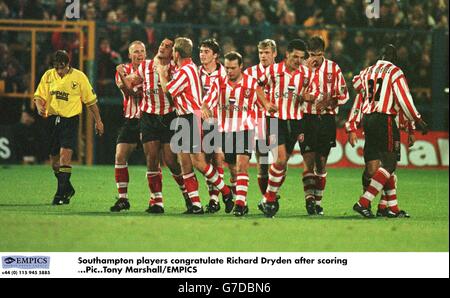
(26, 262)
(373, 9)
(73, 9)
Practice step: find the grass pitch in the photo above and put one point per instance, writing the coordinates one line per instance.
(30, 223)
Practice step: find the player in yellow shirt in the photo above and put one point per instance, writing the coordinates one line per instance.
(59, 97)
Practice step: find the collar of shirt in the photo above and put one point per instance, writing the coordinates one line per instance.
(186, 62)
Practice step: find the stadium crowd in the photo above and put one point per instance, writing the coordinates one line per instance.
(351, 37)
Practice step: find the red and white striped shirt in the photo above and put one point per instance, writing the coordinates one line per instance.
(382, 88)
(385, 90)
(185, 89)
(287, 89)
(258, 71)
(329, 80)
(130, 104)
(154, 100)
(235, 103)
(355, 117)
(209, 78)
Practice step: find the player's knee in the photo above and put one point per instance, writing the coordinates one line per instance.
(55, 166)
(120, 159)
(281, 163)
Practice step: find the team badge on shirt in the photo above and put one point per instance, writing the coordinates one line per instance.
(329, 77)
(74, 85)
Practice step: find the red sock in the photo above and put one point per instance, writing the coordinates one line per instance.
(377, 183)
(391, 193)
(309, 184)
(321, 181)
(233, 185)
(155, 185)
(383, 202)
(191, 183)
(213, 176)
(180, 181)
(276, 178)
(263, 181)
(122, 179)
(241, 189)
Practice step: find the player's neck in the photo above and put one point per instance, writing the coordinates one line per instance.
(321, 62)
(163, 61)
(184, 61)
(236, 81)
(210, 67)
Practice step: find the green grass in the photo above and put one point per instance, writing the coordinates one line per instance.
(29, 223)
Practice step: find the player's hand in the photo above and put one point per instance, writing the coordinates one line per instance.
(162, 70)
(271, 108)
(206, 113)
(352, 138)
(99, 128)
(120, 69)
(411, 139)
(422, 126)
(41, 107)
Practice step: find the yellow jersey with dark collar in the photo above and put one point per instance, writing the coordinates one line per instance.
(64, 96)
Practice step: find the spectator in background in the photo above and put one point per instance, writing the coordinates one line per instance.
(58, 12)
(288, 22)
(338, 56)
(11, 71)
(29, 139)
(107, 60)
(304, 9)
(90, 12)
(103, 8)
(34, 10)
(4, 10)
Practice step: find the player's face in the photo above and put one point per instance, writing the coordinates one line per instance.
(233, 69)
(295, 58)
(267, 56)
(165, 49)
(62, 71)
(315, 58)
(207, 56)
(137, 53)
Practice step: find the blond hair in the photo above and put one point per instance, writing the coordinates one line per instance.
(183, 46)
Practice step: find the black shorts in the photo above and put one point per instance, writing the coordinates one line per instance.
(381, 135)
(129, 132)
(157, 127)
(238, 143)
(63, 133)
(211, 137)
(188, 134)
(318, 134)
(287, 134)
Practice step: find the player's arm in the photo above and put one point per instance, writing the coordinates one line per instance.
(268, 106)
(341, 92)
(163, 72)
(89, 98)
(126, 82)
(210, 100)
(311, 93)
(403, 97)
(99, 128)
(354, 119)
(41, 96)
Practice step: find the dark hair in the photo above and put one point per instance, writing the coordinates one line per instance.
(212, 44)
(388, 53)
(316, 43)
(60, 59)
(297, 44)
(231, 56)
